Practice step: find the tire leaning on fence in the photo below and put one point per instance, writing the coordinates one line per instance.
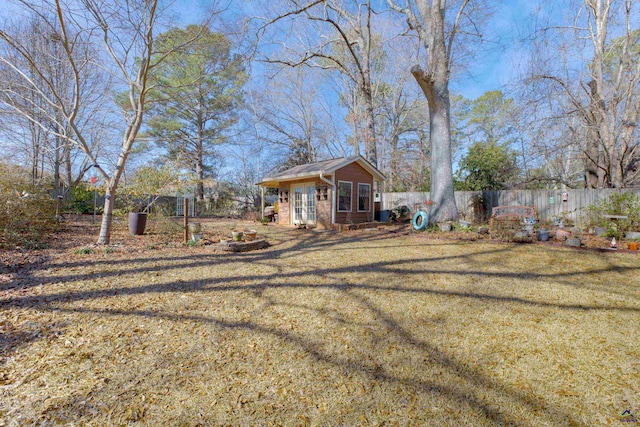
(420, 220)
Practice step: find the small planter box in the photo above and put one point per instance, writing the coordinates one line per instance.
(574, 241)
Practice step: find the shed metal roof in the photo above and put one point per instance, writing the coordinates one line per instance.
(323, 167)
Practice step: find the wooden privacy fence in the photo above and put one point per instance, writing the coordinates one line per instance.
(548, 203)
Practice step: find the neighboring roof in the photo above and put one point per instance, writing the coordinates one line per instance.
(324, 167)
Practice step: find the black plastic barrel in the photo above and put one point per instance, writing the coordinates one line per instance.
(384, 215)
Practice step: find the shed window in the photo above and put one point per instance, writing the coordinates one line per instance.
(364, 197)
(344, 196)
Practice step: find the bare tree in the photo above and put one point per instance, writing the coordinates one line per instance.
(345, 44)
(49, 149)
(290, 114)
(437, 34)
(599, 100)
(401, 122)
(549, 147)
(125, 30)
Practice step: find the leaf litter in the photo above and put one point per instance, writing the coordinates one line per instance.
(358, 328)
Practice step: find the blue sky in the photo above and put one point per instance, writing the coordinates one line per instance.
(495, 67)
(499, 64)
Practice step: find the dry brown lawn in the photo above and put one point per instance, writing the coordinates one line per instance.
(382, 327)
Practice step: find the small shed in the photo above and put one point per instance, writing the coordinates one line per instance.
(321, 194)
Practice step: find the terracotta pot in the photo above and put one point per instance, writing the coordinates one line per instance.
(249, 235)
(562, 235)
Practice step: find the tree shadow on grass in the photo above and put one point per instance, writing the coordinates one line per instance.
(477, 396)
(294, 244)
(267, 279)
(479, 388)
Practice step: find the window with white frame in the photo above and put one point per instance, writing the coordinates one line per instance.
(344, 196)
(364, 197)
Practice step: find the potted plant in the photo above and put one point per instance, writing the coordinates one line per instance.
(600, 230)
(144, 189)
(543, 234)
(626, 208)
(632, 234)
(196, 230)
(464, 222)
(237, 236)
(464, 225)
(574, 241)
(445, 226)
(528, 225)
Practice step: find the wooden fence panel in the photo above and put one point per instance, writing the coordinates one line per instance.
(548, 203)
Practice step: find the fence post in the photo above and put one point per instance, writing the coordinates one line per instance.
(186, 220)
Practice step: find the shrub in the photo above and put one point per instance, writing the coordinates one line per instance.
(82, 200)
(400, 213)
(626, 204)
(148, 182)
(165, 226)
(27, 213)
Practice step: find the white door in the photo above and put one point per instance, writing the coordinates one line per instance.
(304, 204)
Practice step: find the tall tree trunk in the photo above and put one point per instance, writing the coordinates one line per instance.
(444, 205)
(35, 155)
(112, 182)
(394, 163)
(57, 162)
(107, 215)
(428, 21)
(199, 169)
(370, 150)
(68, 167)
(594, 168)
